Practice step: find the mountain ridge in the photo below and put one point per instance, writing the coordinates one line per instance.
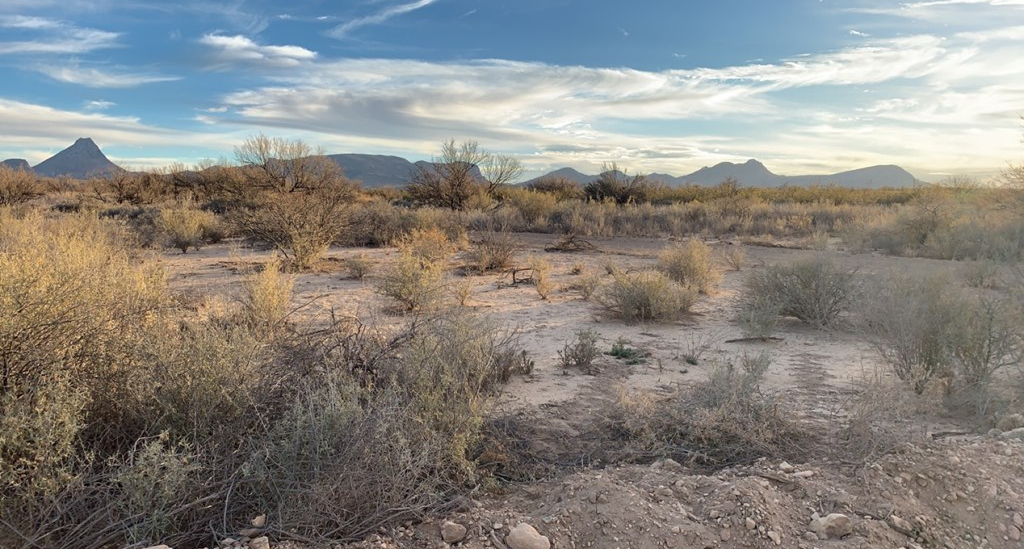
(81, 160)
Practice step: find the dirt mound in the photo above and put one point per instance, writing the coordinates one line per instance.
(966, 492)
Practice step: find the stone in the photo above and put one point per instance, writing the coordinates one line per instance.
(259, 543)
(1016, 434)
(1018, 520)
(524, 536)
(775, 537)
(751, 523)
(228, 542)
(901, 525)
(833, 526)
(725, 534)
(1014, 533)
(803, 474)
(259, 522)
(785, 467)
(453, 532)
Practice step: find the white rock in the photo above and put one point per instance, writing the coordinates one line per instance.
(259, 522)
(259, 543)
(524, 536)
(452, 532)
(785, 467)
(751, 523)
(1016, 434)
(775, 537)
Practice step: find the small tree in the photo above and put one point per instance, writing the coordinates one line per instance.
(462, 171)
(295, 199)
(621, 187)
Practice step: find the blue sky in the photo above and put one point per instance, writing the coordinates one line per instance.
(806, 86)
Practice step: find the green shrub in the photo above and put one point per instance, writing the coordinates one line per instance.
(645, 296)
(691, 265)
(816, 291)
(580, 352)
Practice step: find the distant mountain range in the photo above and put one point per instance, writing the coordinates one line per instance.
(754, 174)
(84, 159)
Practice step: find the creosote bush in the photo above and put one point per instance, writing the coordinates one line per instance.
(580, 352)
(492, 251)
(17, 186)
(414, 283)
(266, 297)
(645, 296)
(691, 265)
(816, 291)
(186, 227)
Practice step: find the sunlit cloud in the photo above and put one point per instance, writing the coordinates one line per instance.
(233, 50)
(54, 37)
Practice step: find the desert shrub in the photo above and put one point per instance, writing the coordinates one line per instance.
(691, 265)
(491, 251)
(185, 227)
(301, 225)
(580, 352)
(735, 257)
(414, 283)
(541, 276)
(758, 314)
(623, 350)
(816, 291)
(560, 187)
(377, 223)
(17, 186)
(358, 266)
(645, 296)
(622, 188)
(427, 245)
(533, 206)
(586, 285)
(142, 222)
(983, 273)
(721, 421)
(462, 290)
(266, 297)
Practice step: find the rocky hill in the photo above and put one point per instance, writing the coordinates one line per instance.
(81, 160)
(17, 164)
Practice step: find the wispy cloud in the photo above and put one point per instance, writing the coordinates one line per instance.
(342, 30)
(55, 37)
(97, 78)
(98, 105)
(238, 49)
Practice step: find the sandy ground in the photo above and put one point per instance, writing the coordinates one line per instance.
(954, 492)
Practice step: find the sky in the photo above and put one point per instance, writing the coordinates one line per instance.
(656, 86)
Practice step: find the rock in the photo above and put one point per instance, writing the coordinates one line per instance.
(228, 542)
(775, 537)
(725, 534)
(803, 474)
(1018, 520)
(453, 532)
(785, 467)
(1010, 422)
(1014, 533)
(833, 526)
(1016, 434)
(667, 464)
(259, 522)
(524, 536)
(994, 432)
(259, 543)
(751, 523)
(901, 525)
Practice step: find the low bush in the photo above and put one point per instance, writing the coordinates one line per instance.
(580, 352)
(722, 421)
(185, 227)
(645, 296)
(816, 291)
(266, 297)
(691, 265)
(415, 284)
(358, 266)
(492, 251)
(17, 186)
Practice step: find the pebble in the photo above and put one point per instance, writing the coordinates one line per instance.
(524, 536)
(751, 523)
(785, 467)
(259, 543)
(775, 537)
(453, 532)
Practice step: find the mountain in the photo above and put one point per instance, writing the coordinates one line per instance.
(754, 174)
(377, 170)
(17, 164)
(80, 161)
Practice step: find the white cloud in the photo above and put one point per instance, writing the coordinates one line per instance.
(98, 105)
(57, 37)
(238, 49)
(342, 30)
(96, 78)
